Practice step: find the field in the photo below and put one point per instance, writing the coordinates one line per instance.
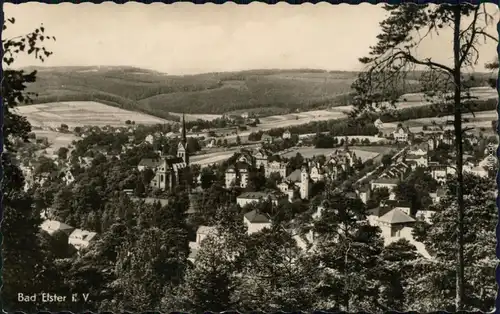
(194, 117)
(283, 121)
(56, 139)
(309, 152)
(207, 159)
(79, 113)
(481, 120)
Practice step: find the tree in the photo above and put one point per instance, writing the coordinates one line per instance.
(393, 58)
(210, 285)
(160, 255)
(347, 245)
(283, 285)
(397, 270)
(26, 266)
(64, 127)
(416, 189)
(479, 243)
(386, 160)
(62, 153)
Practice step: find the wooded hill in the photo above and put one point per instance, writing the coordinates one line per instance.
(265, 92)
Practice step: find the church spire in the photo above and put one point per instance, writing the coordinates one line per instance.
(183, 135)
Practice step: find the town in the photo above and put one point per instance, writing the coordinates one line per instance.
(258, 173)
(301, 162)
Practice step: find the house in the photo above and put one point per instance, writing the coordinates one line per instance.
(276, 167)
(378, 124)
(316, 172)
(403, 206)
(211, 143)
(148, 163)
(290, 189)
(490, 149)
(244, 115)
(149, 139)
(254, 197)
(395, 225)
(436, 196)
(425, 215)
(387, 183)
(81, 238)
(490, 162)
(286, 135)
(401, 134)
(261, 158)
(68, 177)
(203, 232)
(417, 161)
(477, 170)
(256, 221)
(237, 174)
(52, 226)
(364, 193)
(421, 149)
(266, 138)
(85, 162)
(441, 172)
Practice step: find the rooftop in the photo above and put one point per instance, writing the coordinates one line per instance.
(396, 216)
(206, 230)
(294, 176)
(385, 181)
(255, 195)
(255, 217)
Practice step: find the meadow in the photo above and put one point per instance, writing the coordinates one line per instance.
(80, 113)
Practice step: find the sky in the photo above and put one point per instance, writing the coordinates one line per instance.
(184, 38)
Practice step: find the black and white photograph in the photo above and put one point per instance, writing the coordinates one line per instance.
(253, 158)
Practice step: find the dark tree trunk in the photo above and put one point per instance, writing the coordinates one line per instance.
(459, 149)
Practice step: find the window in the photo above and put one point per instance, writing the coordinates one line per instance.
(161, 178)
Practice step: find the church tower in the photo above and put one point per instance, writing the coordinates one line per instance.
(182, 149)
(304, 183)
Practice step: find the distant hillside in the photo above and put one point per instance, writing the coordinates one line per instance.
(264, 91)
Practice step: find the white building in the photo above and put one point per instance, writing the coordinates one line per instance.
(256, 221)
(388, 183)
(203, 232)
(286, 135)
(237, 174)
(378, 124)
(261, 158)
(417, 161)
(52, 226)
(477, 170)
(255, 197)
(401, 134)
(276, 167)
(81, 238)
(421, 149)
(316, 173)
(364, 193)
(211, 143)
(395, 225)
(441, 172)
(149, 139)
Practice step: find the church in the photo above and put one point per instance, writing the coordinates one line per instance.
(172, 171)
